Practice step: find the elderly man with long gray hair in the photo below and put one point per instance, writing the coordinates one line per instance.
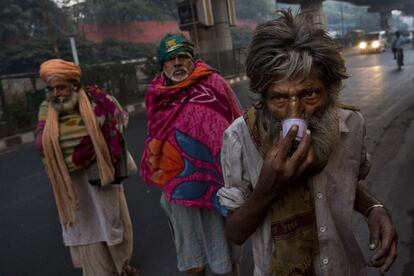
(294, 162)
(79, 134)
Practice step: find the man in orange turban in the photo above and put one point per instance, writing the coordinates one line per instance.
(80, 136)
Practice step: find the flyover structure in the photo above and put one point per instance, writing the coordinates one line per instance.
(383, 7)
(209, 22)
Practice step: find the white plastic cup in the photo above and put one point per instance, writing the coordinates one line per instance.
(288, 123)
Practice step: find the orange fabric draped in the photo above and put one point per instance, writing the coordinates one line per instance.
(60, 68)
(56, 168)
(198, 72)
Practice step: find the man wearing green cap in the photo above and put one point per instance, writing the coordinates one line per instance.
(189, 105)
(173, 48)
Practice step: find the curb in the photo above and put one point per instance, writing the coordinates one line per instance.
(18, 139)
(132, 109)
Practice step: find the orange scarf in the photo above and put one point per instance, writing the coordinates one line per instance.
(200, 71)
(56, 168)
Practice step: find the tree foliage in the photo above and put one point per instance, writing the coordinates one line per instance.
(119, 11)
(26, 56)
(23, 19)
(26, 42)
(14, 22)
(255, 10)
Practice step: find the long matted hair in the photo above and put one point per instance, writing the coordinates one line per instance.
(292, 46)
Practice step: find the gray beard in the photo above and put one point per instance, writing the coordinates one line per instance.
(325, 133)
(68, 104)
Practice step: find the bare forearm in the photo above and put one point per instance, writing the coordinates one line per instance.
(364, 200)
(242, 222)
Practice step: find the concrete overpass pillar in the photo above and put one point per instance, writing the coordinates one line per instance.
(317, 7)
(214, 43)
(218, 37)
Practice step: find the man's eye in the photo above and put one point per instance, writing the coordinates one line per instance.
(310, 93)
(279, 99)
(58, 88)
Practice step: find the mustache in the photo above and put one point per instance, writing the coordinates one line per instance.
(60, 99)
(180, 70)
(66, 103)
(324, 124)
(325, 132)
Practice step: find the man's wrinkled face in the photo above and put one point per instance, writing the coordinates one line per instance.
(309, 100)
(62, 94)
(178, 68)
(297, 98)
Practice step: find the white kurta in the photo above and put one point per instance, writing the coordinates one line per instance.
(333, 196)
(98, 218)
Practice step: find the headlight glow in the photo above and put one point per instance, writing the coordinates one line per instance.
(362, 45)
(375, 44)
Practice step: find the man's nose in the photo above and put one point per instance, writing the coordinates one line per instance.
(177, 61)
(55, 91)
(294, 108)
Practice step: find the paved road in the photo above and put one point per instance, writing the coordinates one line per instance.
(386, 98)
(30, 239)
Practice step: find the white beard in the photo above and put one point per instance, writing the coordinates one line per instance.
(66, 104)
(177, 78)
(325, 133)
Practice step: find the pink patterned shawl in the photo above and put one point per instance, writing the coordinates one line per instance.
(185, 131)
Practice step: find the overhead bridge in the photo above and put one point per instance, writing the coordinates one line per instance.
(383, 7)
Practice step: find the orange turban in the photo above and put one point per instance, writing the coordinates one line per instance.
(60, 68)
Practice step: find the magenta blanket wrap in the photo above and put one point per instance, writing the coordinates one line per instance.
(185, 132)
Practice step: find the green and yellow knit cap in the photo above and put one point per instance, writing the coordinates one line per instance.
(171, 45)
